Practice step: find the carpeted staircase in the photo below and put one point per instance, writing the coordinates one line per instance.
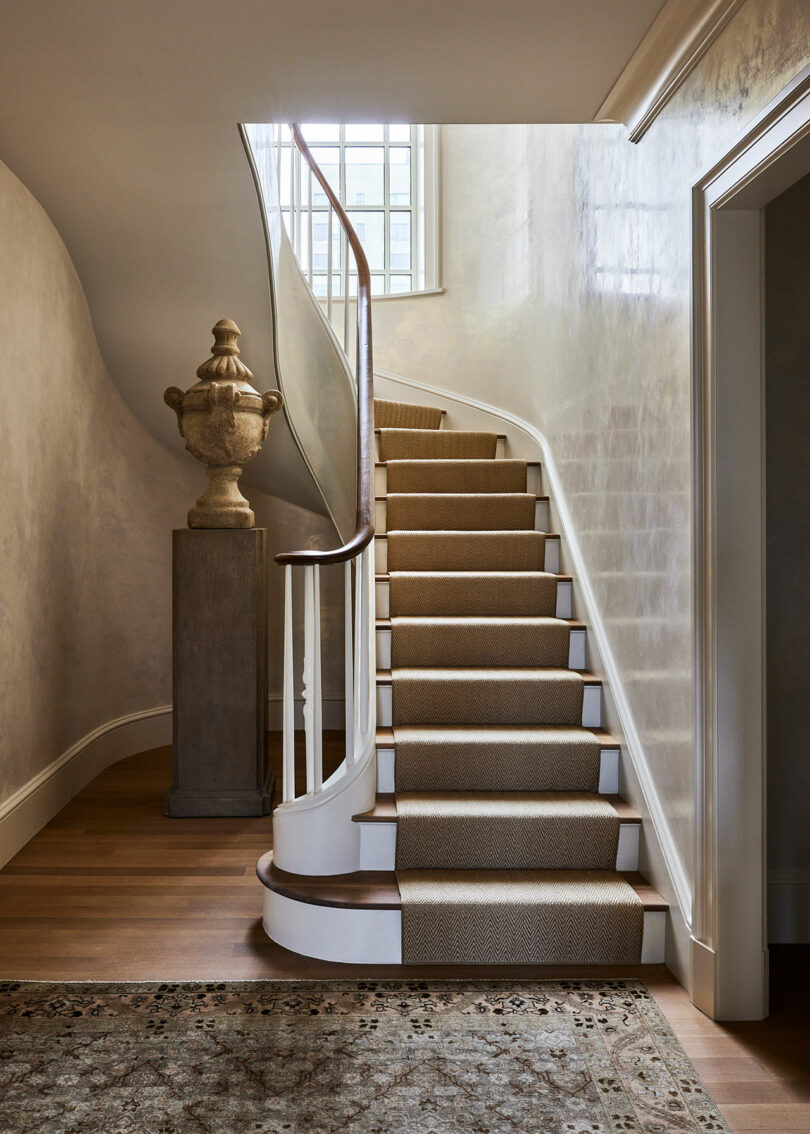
(505, 850)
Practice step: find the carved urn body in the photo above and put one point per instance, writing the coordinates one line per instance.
(223, 421)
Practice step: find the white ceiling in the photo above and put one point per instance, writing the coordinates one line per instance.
(120, 116)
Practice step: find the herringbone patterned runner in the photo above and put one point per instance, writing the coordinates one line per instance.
(456, 476)
(467, 551)
(505, 831)
(468, 641)
(473, 592)
(505, 851)
(403, 415)
(564, 917)
(495, 758)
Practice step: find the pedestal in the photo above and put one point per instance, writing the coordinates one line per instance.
(220, 673)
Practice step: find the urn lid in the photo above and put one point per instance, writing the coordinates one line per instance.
(224, 365)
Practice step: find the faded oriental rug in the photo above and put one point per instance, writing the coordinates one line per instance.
(578, 1057)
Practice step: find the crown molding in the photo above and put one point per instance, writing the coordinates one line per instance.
(677, 39)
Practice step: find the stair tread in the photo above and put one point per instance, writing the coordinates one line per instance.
(464, 496)
(487, 619)
(449, 460)
(385, 806)
(384, 576)
(384, 676)
(385, 736)
(469, 432)
(466, 532)
(378, 889)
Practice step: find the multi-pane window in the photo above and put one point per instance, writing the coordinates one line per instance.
(384, 176)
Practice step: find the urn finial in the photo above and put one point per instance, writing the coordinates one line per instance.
(223, 421)
(224, 365)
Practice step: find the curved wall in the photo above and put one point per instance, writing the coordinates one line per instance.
(89, 498)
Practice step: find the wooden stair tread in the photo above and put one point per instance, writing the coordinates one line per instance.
(385, 809)
(384, 675)
(385, 576)
(574, 623)
(385, 736)
(378, 890)
(534, 494)
(444, 460)
(548, 535)
(403, 429)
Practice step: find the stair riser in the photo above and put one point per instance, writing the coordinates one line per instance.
(534, 480)
(378, 844)
(565, 592)
(541, 518)
(576, 651)
(591, 707)
(608, 770)
(500, 447)
(374, 937)
(551, 561)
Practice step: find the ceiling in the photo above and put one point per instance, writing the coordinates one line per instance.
(120, 116)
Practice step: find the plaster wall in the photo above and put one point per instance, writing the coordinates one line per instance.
(88, 502)
(566, 258)
(787, 417)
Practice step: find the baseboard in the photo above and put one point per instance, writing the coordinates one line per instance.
(34, 804)
(789, 907)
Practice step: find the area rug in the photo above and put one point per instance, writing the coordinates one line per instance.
(576, 1056)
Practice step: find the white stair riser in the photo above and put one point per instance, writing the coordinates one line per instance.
(591, 706)
(576, 649)
(541, 517)
(534, 480)
(565, 595)
(374, 937)
(500, 447)
(378, 843)
(608, 770)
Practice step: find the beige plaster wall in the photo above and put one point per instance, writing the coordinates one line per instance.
(567, 262)
(88, 502)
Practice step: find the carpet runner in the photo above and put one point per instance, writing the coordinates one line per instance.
(505, 851)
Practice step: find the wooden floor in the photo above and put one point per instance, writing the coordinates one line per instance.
(113, 890)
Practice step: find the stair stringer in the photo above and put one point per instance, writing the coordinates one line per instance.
(660, 860)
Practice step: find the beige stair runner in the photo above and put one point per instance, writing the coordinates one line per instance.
(505, 851)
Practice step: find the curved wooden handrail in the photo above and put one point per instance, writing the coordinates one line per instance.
(364, 517)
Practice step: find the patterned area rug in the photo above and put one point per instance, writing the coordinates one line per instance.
(578, 1057)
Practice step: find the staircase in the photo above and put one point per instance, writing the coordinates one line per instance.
(497, 835)
(475, 816)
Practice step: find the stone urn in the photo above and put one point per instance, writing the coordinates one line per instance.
(223, 421)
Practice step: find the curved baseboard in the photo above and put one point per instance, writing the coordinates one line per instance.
(33, 805)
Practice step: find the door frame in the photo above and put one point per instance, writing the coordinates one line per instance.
(729, 919)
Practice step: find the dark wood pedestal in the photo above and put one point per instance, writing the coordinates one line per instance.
(220, 673)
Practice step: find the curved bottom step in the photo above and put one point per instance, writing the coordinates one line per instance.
(357, 918)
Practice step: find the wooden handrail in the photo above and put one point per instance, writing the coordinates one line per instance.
(364, 517)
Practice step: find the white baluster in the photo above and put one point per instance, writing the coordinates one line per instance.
(312, 680)
(329, 267)
(348, 660)
(346, 311)
(370, 651)
(293, 152)
(311, 240)
(288, 706)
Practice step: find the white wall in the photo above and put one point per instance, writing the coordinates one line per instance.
(567, 267)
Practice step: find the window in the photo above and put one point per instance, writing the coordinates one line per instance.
(385, 177)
